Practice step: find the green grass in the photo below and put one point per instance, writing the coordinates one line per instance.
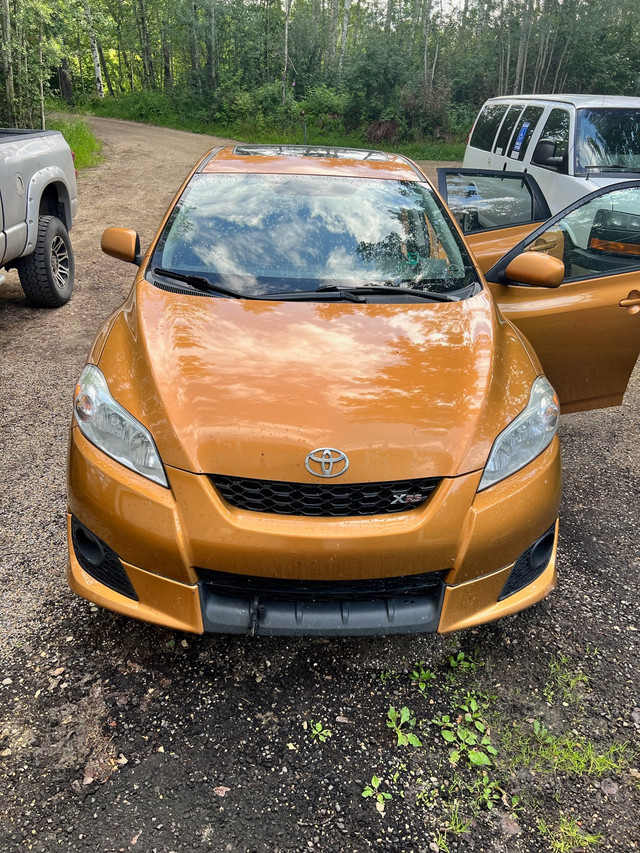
(568, 836)
(544, 752)
(150, 108)
(81, 140)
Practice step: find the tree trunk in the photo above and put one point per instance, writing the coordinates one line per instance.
(105, 70)
(129, 66)
(147, 59)
(64, 80)
(388, 16)
(167, 69)
(8, 61)
(333, 35)
(344, 34)
(435, 63)
(80, 63)
(267, 33)
(196, 82)
(427, 28)
(212, 47)
(94, 52)
(523, 48)
(287, 15)
(43, 123)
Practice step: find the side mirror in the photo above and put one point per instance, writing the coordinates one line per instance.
(535, 269)
(122, 243)
(544, 154)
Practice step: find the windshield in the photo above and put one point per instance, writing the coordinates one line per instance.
(263, 234)
(608, 140)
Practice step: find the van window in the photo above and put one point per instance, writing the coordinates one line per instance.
(551, 152)
(608, 140)
(526, 126)
(485, 130)
(507, 128)
(556, 130)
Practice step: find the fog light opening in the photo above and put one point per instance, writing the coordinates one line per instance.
(100, 561)
(541, 551)
(530, 564)
(89, 546)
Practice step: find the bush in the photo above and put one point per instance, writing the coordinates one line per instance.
(323, 102)
(80, 139)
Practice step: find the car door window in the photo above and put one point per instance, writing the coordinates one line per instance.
(482, 199)
(601, 237)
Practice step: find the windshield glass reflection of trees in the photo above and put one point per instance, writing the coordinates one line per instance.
(264, 234)
(608, 139)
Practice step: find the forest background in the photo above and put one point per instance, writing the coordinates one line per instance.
(409, 74)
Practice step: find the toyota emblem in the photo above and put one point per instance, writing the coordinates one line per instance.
(326, 462)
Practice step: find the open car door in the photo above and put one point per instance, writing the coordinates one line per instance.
(495, 210)
(586, 331)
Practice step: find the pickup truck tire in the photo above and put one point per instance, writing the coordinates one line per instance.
(47, 274)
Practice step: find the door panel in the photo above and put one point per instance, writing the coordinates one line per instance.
(489, 246)
(587, 332)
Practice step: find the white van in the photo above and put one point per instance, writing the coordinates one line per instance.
(571, 144)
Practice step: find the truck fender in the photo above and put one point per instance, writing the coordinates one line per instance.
(37, 185)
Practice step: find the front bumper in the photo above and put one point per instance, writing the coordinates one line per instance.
(170, 543)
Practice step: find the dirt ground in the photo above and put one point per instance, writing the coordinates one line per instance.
(120, 736)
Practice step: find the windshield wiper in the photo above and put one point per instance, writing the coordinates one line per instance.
(199, 282)
(384, 289)
(347, 293)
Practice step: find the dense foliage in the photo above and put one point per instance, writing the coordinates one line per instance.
(390, 69)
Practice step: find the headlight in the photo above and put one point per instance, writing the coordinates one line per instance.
(112, 429)
(525, 437)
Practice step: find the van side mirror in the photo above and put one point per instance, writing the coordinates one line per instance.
(122, 243)
(544, 154)
(535, 269)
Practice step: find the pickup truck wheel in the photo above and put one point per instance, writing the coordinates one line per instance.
(47, 275)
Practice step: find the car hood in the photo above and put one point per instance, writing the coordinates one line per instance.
(249, 388)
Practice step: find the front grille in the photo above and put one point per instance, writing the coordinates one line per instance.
(227, 583)
(347, 499)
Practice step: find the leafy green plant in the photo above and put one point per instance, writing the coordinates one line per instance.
(568, 836)
(387, 675)
(317, 731)
(422, 677)
(468, 734)
(463, 663)
(487, 792)
(373, 790)
(400, 722)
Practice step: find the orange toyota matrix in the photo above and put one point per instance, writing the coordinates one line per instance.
(312, 415)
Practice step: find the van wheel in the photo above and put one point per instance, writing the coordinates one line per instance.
(47, 274)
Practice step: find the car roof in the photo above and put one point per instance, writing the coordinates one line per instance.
(310, 160)
(578, 101)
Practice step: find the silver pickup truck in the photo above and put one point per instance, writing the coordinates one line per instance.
(38, 196)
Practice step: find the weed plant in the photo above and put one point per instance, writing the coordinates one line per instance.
(81, 140)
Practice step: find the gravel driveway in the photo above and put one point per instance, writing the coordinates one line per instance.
(118, 736)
